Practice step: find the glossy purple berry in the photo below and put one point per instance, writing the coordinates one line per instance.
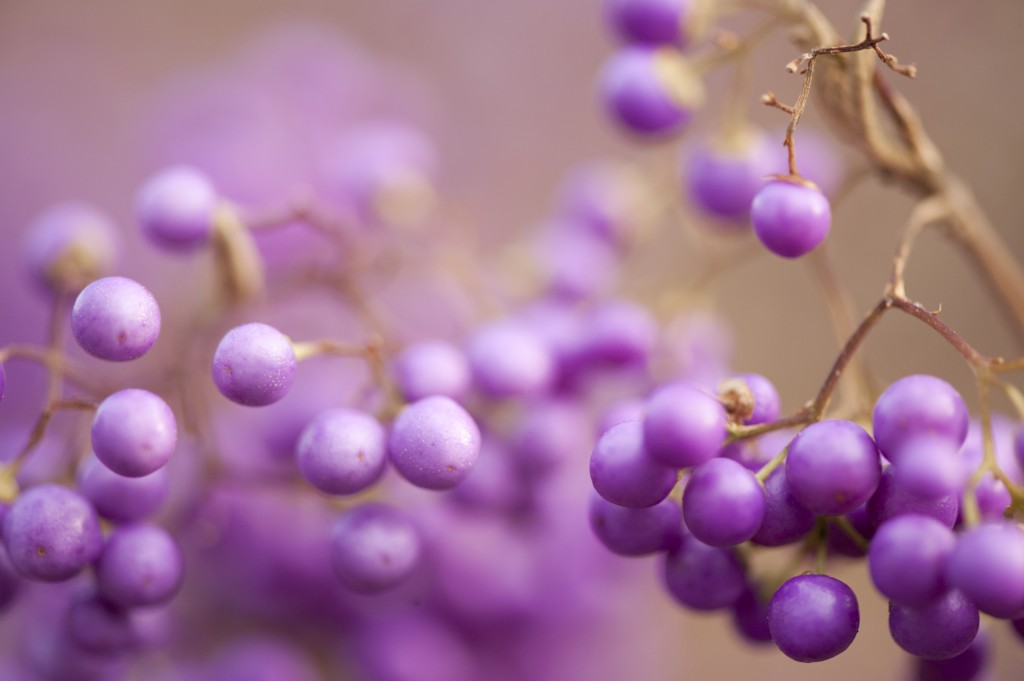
(703, 577)
(624, 473)
(723, 503)
(254, 365)
(434, 443)
(683, 425)
(918, 405)
(650, 91)
(790, 218)
(115, 319)
(833, 467)
(134, 432)
(813, 617)
(175, 208)
(508, 359)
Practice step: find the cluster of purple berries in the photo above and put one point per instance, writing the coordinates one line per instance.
(937, 570)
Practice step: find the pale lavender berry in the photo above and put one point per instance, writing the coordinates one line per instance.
(116, 319)
(434, 443)
(907, 558)
(723, 503)
(122, 499)
(70, 245)
(431, 367)
(175, 208)
(140, 565)
(813, 617)
(374, 547)
(649, 22)
(624, 473)
(254, 365)
(508, 359)
(683, 425)
(988, 566)
(619, 332)
(134, 432)
(342, 451)
(833, 467)
(650, 91)
(791, 219)
(939, 629)
(918, 405)
(51, 533)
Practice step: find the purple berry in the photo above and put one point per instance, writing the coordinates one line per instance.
(790, 218)
(988, 566)
(342, 451)
(51, 533)
(765, 399)
(115, 319)
(704, 577)
(967, 666)
(374, 547)
(175, 208)
(683, 425)
(651, 91)
(254, 365)
(140, 565)
(832, 467)
(98, 626)
(636, 531)
(434, 443)
(723, 503)
(508, 359)
(813, 617)
(649, 22)
(750, 617)
(940, 629)
(119, 498)
(431, 368)
(891, 499)
(624, 473)
(918, 405)
(907, 559)
(134, 432)
(785, 519)
(70, 245)
(723, 179)
(930, 467)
